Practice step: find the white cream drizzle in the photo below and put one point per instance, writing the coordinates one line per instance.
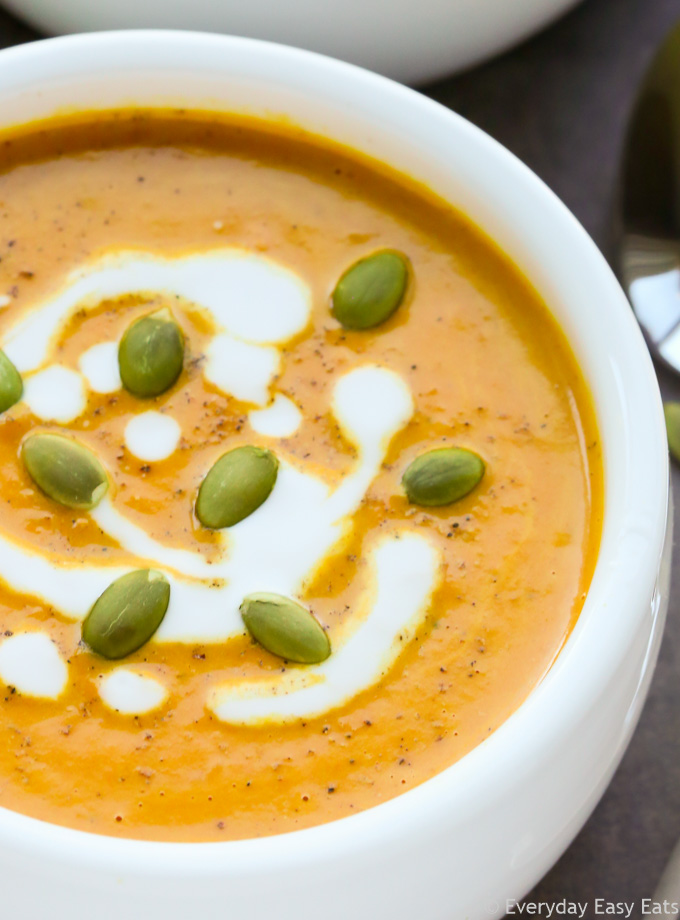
(139, 544)
(240, 369)
(56, 394)
(99, 366)
(31, 663)
(253, 303)
(247, 295)
(130, 692)
(281, 419)
(275, 549)
(405, 573)
(69, 589)
(152, 436)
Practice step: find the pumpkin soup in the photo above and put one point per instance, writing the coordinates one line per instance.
(301, 483)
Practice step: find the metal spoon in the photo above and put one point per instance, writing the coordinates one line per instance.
(650, 206)
(668, 890)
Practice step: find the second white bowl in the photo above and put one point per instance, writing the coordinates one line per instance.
(410, 41)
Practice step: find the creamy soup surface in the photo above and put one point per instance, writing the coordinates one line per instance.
(440, 619)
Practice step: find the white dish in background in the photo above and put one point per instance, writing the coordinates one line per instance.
(414, 42)
(485, 829)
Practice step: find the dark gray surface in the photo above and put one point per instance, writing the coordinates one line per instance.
(561, 102)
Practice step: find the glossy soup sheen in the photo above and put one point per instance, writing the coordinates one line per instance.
(489, 370)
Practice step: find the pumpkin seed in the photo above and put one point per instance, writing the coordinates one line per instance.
(442, 476)
(671, 411)
(11, 384)
(65, 470)
(127, 614)
(370, 290)
(285, 628)
(151, 354)
(237, 485)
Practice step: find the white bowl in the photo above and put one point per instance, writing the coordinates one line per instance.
(404, 39)
(488, 827)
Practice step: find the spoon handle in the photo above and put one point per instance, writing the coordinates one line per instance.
(668, 888)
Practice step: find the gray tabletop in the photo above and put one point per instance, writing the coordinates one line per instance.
(561, 102)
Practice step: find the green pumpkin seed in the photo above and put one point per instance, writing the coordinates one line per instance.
(671, 410)
(371, 290)
(151, 354)
(65, 470)
(442, 476)
(237, 485)
(127, 614)
(11, 384)
(285, 628)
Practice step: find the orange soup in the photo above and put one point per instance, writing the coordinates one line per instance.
(301, 482)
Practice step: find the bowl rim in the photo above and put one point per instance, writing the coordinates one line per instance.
(595, 659)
